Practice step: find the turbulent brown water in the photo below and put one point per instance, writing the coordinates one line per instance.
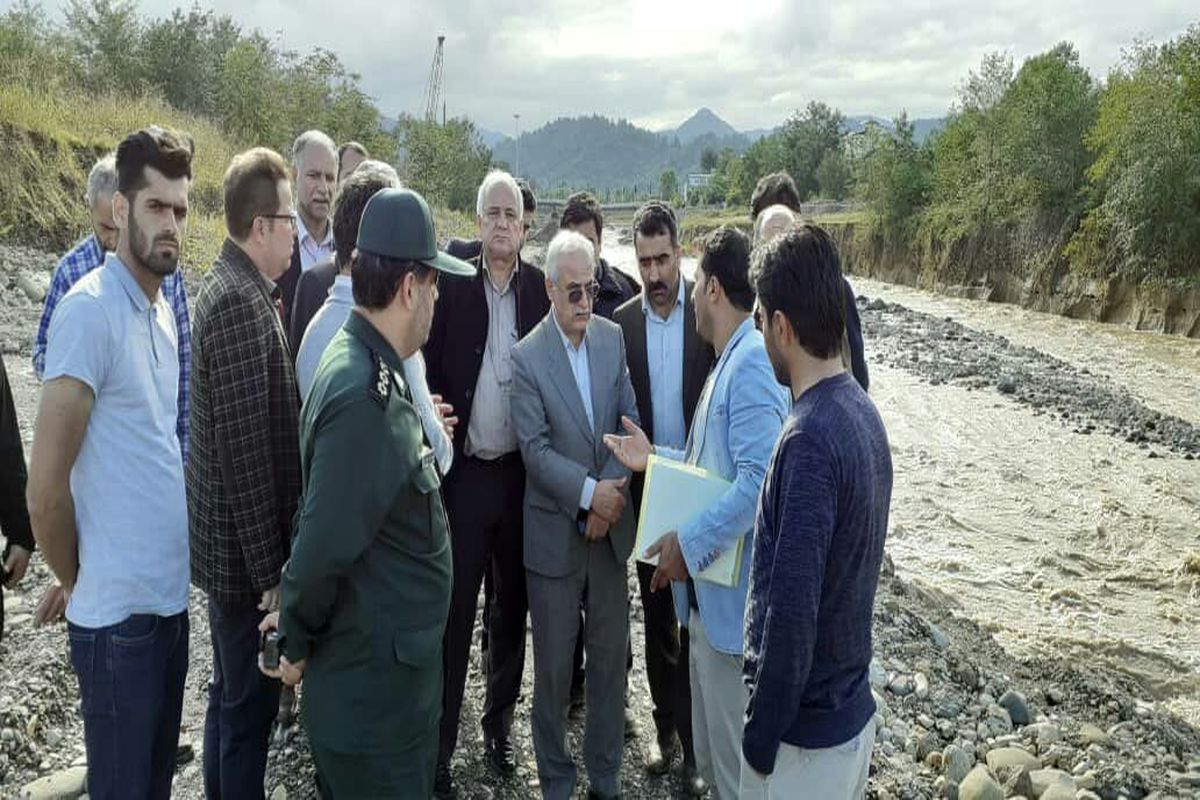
(1063, 545)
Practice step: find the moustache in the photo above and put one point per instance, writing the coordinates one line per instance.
(657, 286)
(166, 240)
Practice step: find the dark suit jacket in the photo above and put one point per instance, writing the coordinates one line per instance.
(311, 290)
(458, 335)
(14, 515)
(858, 362)
(287, 284)
(697, 362)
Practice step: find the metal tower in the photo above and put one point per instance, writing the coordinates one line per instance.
(433, 92)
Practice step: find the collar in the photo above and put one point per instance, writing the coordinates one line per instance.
(117, 267)
(740, 333)
(236, 257)
(487, 273)
(91, 248)
(302, 232)
(567, 342)
(648, 310)
(342, 288)
(358, 327)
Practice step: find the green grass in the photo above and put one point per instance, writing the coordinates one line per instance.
(50, 142)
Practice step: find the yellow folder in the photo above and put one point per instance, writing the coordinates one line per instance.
(674, 494)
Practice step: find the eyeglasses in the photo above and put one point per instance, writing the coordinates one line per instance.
(291, 220)
(575, 292)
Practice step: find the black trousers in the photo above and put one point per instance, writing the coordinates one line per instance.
(484, 506)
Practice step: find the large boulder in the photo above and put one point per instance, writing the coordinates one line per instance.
(1007, 757)
(979, 785)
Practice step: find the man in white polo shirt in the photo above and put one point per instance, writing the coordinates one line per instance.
(106, 489)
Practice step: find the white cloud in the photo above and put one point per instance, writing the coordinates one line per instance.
(656, 62)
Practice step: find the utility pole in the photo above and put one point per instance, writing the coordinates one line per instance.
(517, 125)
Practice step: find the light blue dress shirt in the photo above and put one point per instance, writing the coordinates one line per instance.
(664, 359)
(320, 332)
(577, 357)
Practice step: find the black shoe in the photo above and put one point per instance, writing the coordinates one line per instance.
(693, 784)
(632, 729)
(443, 783)
(594, 795)
(660, 754)
(501, 755)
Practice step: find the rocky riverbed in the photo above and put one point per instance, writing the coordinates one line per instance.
(995, 671)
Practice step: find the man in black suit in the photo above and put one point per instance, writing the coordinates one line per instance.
(314, 176)
(476, 323)
(778, 188)
(668, 363)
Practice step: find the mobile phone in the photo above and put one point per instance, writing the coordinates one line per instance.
(270, 649)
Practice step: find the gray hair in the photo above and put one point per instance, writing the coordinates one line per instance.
(102, 180)
(498, 177)
(565, 243)
(381, 172)
(773, 214)
(313, 137)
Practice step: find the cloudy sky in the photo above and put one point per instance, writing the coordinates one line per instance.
(654, 63)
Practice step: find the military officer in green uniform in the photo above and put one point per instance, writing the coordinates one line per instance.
(365, 595)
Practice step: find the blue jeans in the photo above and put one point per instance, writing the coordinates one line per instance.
(131, 682)
(242, 704)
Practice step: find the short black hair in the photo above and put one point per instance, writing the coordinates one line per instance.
(800, 275)
(725, 255)
(582, 208)
(348, 208)
(166, 150)
(776, 189)
(528, 200)
(654, 219)
(375, 279)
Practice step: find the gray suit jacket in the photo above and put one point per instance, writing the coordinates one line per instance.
(559, 449)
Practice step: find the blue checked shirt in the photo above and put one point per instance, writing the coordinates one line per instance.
(79, 261)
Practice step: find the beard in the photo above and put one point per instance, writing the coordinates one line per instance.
(145, 252)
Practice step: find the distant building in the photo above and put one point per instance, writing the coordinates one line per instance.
(696, 180)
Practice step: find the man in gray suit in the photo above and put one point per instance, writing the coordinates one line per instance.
(571, 387)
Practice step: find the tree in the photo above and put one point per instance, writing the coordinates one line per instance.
(183, 58)
(1144, 185)
(893, 178)
(250, 92)
(834, 176)
(106, 36)
(805, 139)
(445, 163)
(708, 160)
(668, 186)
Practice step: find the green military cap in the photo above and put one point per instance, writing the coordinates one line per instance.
(397, 224)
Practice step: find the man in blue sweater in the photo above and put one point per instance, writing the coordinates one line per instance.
(818, 542)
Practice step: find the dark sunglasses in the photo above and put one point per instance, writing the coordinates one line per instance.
(575, 292)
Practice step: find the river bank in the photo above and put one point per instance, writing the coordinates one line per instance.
(1040, 608)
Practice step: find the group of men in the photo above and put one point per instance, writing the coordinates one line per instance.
(354, 432)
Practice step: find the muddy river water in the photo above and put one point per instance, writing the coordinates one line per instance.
(1063, 545)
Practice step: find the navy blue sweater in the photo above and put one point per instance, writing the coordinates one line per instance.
(818, 543)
